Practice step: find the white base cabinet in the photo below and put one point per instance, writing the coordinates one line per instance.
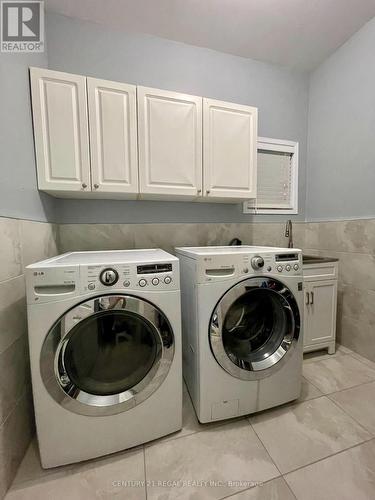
(320, 285)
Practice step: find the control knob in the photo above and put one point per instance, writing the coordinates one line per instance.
(257, 262)
(108, 277)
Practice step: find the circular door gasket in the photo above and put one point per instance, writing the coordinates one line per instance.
(64, 388)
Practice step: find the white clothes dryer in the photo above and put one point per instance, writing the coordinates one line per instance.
(105, 351)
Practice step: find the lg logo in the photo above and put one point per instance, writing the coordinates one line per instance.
(22, 26)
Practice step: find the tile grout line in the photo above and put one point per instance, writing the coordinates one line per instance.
(351, 416)
(23, 394)
(144, 466)
(3, 282)
(319, 460)
(212, 425)
(341, 390)
(329, 456)
(360, 360)
(258, 486)
(264, 446)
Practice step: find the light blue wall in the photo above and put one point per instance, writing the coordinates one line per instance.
(19, 197)
(341, 151)
(90, 49)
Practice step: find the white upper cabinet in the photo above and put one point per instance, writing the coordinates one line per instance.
(112, 140)
(230, 150)
(113, 137)
(61, 130)
(170, 144)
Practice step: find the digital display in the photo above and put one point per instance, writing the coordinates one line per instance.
(154, 268)
(282, 257)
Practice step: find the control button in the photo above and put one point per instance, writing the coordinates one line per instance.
(142, 283)
(257, 262)
(91, 286)
(269, 269)
(167, 280)
(108, 277)
(296, 267)
(246, 270)
(126, 283)
(155, 281)
(287, 268)
(279, 268)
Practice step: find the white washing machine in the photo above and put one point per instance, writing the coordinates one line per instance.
(242, 313)
(105, 350)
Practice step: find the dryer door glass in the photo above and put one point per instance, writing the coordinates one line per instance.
(110, 352)
(107, 354)
(253, 327)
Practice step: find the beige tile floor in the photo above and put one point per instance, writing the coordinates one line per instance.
(320, 447)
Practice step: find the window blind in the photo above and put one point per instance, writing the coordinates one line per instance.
(274, 184)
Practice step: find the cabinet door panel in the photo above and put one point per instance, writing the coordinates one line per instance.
(230, 142)
(321, 312)
(60, 130)
(113, 136)
(170, 143)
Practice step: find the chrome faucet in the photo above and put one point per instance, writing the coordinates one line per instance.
(289, 233)
(235, 241)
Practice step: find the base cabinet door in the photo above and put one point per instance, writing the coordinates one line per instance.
(320, 312)
(113, 137)
(170, 144)
(230, 150)
(59, 105)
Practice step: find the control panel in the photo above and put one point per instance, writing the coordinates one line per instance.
(225, 266)
(129, 276)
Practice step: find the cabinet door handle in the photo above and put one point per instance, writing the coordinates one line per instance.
(312, 298)
(307, 298)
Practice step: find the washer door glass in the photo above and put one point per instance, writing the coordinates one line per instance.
(107, 354)
(253, 327)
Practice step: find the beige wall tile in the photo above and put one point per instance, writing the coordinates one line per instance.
(357, 236)
(15, 436)
(82, 237)
(358, 304)
(273, 234)
(358, 336)
(12, 311)
(73, 237)
(10, 248)
(39, 241)
(14, 375)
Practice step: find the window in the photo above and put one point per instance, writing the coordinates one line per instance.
(277, 178)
